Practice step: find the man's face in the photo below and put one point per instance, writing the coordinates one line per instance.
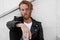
(25, 11)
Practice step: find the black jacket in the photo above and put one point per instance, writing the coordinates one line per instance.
(16, 33)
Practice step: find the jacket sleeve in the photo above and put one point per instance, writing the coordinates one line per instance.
(12, 24)
(15, 32)
(40, 32)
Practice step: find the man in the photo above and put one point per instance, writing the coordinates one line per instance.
(25, 27)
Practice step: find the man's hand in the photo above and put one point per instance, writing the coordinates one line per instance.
(25, 30)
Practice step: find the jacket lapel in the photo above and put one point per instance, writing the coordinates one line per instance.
(33, 27)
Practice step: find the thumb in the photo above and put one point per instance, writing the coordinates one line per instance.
(30, 36)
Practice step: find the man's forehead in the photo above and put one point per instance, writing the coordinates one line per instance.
(23, 6)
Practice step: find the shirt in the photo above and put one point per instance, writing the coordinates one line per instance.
(28, 25)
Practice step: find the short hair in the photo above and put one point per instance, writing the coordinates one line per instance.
(29, 4)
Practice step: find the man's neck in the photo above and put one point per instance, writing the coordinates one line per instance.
(29, 20)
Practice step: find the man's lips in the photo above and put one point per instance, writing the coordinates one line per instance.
(25, 14)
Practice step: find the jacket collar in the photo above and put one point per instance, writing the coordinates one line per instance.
(21, 18)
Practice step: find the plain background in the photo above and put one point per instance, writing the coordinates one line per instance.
(44, 11)
(58, 19)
